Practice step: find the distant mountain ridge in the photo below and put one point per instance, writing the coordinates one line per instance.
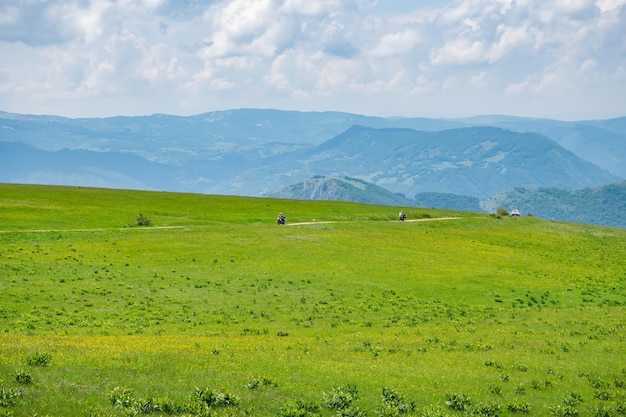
(255, 152)
(602, 142)
(476, 161)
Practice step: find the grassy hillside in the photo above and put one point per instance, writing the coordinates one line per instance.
(214, 310)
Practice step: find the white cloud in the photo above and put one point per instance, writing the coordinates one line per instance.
(609, 5)
(169, 56)
(479, 80)
(398, 43)
(459, 51)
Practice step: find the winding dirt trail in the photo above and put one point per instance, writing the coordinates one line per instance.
(198, 226)
(395, 221)
(94, 229)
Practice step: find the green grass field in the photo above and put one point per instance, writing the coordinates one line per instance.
(214, 310)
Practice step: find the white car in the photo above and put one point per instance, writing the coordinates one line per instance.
(515, 213)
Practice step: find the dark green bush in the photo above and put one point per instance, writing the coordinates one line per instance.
(39, 359)
(301, 409)
(340, 397)
(394, 402)
(458, 402)
(143, 220)
(9, 396)
(22, 377)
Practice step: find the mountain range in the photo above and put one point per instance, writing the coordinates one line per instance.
(257, 152)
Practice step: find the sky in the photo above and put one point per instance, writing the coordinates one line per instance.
(559, 59)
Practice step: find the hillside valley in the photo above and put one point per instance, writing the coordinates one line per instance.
(604, 205)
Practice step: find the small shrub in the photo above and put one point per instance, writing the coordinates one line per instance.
(121, 397)
(516, 407)
(340, 398)
(603, 395)
(146, 406)
(602, 412)
(522, 367)
(216, 399)
(9, 396)
(351, 412)
(458, 402)
(563, 411)
(491, 410)
(223, 399)
(395, 403)
(39, 359)
(502, 211)
(24, 378)
(253, 384)
(143, 220)
(301, 409)
(597, 382)
(494, 364)
(572, 399)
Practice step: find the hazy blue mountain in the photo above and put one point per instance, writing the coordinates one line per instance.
(342, 189)
(21, 163)
(256, 151)
(478, 162)
(215, 131)
(605, 205)
(602, 142)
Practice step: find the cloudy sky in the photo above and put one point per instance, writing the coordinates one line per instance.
(563, 59)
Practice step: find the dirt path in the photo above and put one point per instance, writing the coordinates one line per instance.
(406, 221)
(194, 226)
(93, 229)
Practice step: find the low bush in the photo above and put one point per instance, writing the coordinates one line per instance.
(394, 403)
(24, 378)
(340, 398)
(39, 359)
(458, 402)
(143, 220)
(301, 409)
(9, 396)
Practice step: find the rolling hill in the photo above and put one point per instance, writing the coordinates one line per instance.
(215, 310)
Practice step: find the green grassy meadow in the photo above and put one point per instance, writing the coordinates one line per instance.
(214, 310)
